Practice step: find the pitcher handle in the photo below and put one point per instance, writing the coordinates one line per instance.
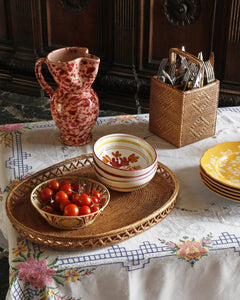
(38, 72)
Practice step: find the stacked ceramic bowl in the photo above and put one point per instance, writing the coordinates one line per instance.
(124, 162)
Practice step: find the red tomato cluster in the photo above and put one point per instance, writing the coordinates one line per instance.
(69, 199)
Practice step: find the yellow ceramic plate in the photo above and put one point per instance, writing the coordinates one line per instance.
(222, 163)
(220, 184)
(218, 192)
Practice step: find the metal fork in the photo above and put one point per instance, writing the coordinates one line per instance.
(209, 71)
(161, 68)
(190, 73)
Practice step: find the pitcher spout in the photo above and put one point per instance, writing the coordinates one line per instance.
(88, 69)
(73, 68)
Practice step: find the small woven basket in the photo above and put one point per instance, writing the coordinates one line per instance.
(183, 117)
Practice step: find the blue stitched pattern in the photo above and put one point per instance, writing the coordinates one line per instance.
(16, 161)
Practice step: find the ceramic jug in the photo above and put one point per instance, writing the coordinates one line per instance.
(74, 104)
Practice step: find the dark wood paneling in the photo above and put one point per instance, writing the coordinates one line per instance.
(129, 36)
(164, 35)
(3, 22)
(226, 45)
(66, 28)
(233, 52)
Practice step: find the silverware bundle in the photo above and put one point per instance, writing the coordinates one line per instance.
(185, 74)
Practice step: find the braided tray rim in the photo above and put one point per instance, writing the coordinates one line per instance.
(102, 239)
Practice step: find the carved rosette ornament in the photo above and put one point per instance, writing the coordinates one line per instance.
(182, 13)
(75, 6)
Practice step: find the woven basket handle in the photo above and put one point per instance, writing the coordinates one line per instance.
(173, 55)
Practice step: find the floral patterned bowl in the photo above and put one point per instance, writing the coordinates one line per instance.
(120, 178)
(67, 222)
(129, 184)
(124, 162)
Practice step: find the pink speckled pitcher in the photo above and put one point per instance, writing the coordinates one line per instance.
(74, 104)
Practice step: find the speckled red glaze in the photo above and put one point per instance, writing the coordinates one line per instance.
(74, 105)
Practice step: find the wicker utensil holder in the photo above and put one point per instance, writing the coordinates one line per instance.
(183, 117)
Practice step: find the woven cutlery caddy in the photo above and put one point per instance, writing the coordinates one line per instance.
(183, 117)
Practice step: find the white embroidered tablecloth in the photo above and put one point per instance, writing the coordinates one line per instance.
(192, 254)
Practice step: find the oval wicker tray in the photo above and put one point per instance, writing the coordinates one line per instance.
(127, 214)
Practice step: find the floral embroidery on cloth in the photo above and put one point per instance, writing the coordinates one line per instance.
(11, 185)
(125, 118)
(15, 182)
(190, 250)
(41, 275)
(7, 131)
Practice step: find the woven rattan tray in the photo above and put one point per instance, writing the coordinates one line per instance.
(127, 214)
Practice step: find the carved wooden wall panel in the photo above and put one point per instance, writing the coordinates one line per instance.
(66, 27)
(233, 53)
(124, 16)
(130, 37)
(166, 30)
(3, 22)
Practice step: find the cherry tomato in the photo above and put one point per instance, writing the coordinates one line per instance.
(54, 205)
(77, 187)
(71, 210)
(95, 193)
(65, 181)
(63, 203)
(85, 199)
(48, 209)
(61, 196)
(46, 194)
(84, 210)
(95, 208)
(54, 185)
(67, 188)
(75, 199)
(95, 200)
